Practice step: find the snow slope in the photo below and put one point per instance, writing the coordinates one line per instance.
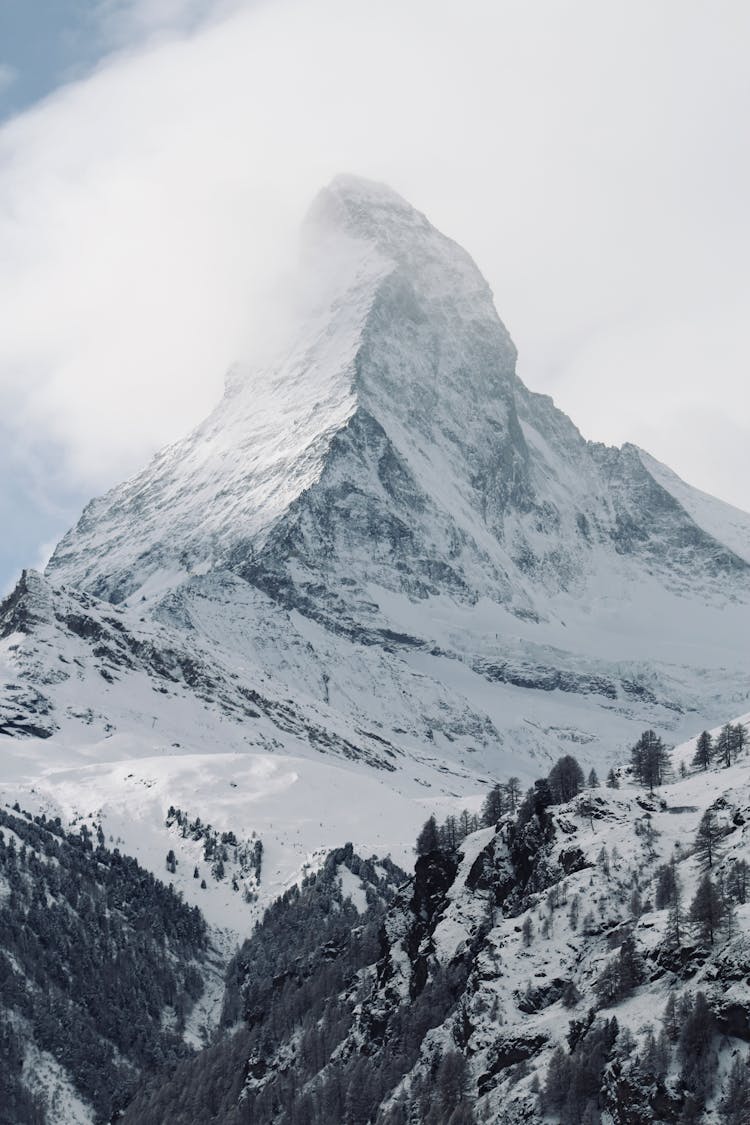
(723, 521)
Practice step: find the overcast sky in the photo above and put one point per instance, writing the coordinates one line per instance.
(156, 157)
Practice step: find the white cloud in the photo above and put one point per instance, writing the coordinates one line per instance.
(128, 23)
(589, 156)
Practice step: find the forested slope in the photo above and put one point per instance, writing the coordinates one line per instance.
(100, 964)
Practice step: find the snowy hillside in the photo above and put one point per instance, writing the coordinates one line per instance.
(557, 966)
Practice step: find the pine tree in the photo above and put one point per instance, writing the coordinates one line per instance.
(428, 839)
(730, 743)
(671, 1022)
(667, 884)
(706, 911)
(694, 1049)
(729, 916)
(649, 760)
(739, 739)
(631, 966)
(452, 1081)
(725, 744)
(612, 782)
(494, 807)
(674, 932)
(570, 995)
(703, 751)
(466, 823)
(708, 838)
(620, 975)
(573, 913)
(735, 1109)
(448, 835)
(663, 1055)
(513, 791)
(593, 779)
(557, 1081)
(737, 881)
(566, 779)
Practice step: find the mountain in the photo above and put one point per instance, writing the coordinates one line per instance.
(381, 544)
(392, 445)
(548, 963)
(381, 576)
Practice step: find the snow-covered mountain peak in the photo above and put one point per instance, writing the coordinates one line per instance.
(370, 211)
(386, 525)
(362, 207)
(398, 345)
(388, 443)
(436, 266)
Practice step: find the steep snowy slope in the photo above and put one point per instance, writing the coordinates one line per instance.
(724, 522)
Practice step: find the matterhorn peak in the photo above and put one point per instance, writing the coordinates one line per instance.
(436, 267)
(404, 344)
(389, 449)
(366, 209)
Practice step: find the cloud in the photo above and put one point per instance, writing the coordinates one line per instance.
(589, 156)
(129, 23)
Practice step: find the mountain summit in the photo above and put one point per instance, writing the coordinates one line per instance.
(403, 544)
(398, 350)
